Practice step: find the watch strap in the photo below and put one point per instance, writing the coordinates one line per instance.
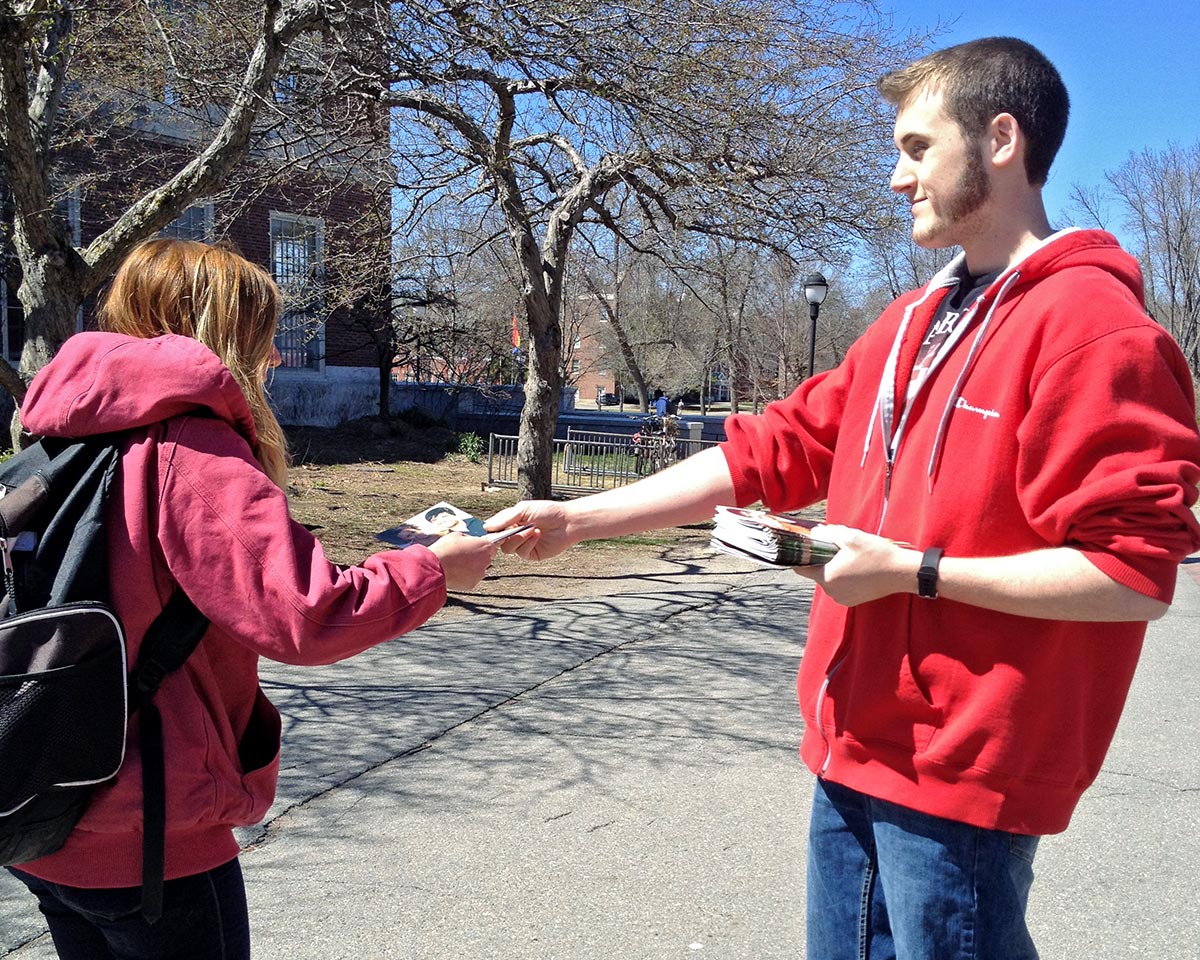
(927, 575)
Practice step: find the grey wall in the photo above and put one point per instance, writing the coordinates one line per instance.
(347, 393)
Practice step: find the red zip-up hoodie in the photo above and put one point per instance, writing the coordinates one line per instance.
(1062, 416)
(191, 506)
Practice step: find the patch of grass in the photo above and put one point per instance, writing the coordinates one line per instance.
(471, 446)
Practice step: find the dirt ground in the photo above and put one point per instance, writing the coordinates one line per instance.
(351, 482)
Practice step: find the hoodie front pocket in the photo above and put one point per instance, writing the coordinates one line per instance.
(258, 754)
(877, 695)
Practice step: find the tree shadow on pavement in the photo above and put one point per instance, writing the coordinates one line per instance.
(569, 695)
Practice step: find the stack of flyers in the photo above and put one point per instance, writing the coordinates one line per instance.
(437, 521)
(774, 539)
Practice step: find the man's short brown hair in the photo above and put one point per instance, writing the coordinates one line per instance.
(983, 78)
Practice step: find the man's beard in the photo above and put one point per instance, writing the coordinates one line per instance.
(970, 193)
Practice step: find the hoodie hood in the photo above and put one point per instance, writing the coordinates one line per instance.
(1066, 249)
(1070, 247)
(1074, 247)
(108, 382)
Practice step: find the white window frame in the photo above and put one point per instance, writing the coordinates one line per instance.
(317, 225)
(4, 295)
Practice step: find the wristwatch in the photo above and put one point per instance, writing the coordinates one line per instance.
(927, 575)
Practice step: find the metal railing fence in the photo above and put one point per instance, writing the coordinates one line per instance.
(587, 461)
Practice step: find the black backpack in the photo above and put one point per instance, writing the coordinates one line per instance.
(66, 695)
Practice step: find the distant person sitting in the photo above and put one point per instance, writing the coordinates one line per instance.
(660, 403)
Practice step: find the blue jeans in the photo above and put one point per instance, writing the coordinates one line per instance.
(886, 882)
(204, 918)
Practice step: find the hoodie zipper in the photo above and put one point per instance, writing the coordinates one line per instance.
(890, 449)
(821, 715)
(888, 466)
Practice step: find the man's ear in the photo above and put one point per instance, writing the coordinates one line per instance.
(1005, 140)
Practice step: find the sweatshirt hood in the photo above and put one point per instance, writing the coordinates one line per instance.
(1071, 247)
(1062, 250)
(1074, 247)
(108, 382)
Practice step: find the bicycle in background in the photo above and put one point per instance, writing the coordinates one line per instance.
(654, 446)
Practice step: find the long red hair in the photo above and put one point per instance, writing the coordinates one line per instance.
(215, 296)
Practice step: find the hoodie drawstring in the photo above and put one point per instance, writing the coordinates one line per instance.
(956, 391)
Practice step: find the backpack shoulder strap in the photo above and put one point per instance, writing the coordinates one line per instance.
(169, 641)
(172, 637)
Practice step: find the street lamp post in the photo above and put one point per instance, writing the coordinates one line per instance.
(815, 288)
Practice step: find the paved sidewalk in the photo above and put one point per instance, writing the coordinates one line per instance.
(618, 779)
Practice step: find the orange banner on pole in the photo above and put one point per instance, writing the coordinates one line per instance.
(516, 334)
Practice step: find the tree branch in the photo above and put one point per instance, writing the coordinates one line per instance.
(281, 24)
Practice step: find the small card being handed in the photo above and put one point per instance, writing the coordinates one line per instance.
(437, 521)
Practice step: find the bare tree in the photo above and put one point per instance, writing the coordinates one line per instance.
(1159, 194)
(175, 98)
(463, 337)
(632, 293)
(1089, 205)
(754, 119)
(727, 274)
(893, 262)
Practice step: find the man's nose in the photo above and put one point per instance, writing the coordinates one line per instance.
(902, 177)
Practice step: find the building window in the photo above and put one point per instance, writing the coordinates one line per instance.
(297, 246)
(575, 367)
(288, 87)
(66, 211)
(12, 324)
(296, 88)
(12, 313)
(195, 223)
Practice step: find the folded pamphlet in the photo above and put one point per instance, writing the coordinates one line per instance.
(773, 539)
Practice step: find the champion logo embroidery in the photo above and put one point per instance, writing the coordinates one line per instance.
(962, 404)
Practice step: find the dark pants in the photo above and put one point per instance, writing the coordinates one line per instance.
(204, 918)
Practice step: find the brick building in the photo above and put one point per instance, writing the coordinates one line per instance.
(323, 238)
(589, 366)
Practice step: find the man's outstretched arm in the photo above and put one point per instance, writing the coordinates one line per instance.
(687, 492)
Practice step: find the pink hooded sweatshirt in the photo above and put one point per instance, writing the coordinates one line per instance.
(191, 507)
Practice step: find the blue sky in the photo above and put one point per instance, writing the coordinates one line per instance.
(1132, 71)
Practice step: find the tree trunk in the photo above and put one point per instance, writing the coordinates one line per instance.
(543, 387)
(50, 292)
(385, 387)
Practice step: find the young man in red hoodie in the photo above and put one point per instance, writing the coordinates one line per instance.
(1024, 424)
